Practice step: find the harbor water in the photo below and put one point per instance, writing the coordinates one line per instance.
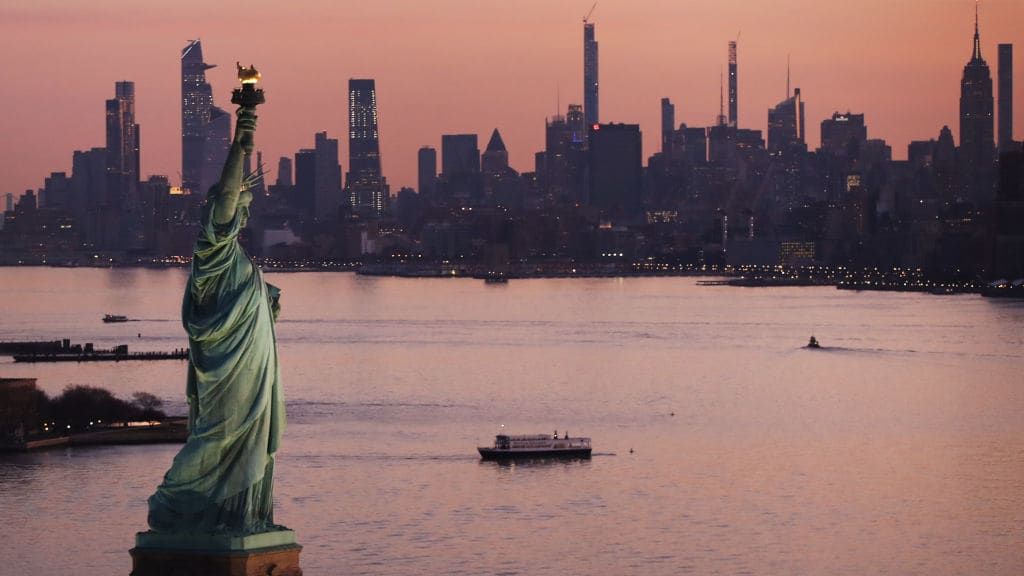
(721, 444)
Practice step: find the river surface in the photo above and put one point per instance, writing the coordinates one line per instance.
(721, 445)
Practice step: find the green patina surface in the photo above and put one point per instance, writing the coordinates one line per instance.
(219, 487)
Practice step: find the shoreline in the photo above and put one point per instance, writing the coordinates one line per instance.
(171, 431)
(840, 277)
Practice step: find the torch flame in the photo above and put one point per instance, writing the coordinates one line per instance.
(248, 75)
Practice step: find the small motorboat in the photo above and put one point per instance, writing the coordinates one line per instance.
(813, 343)
(108, 318)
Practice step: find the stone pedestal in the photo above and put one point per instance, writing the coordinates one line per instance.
(266, 554)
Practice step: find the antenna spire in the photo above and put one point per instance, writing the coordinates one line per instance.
(787, 75)
(721, 99)
(977, 35)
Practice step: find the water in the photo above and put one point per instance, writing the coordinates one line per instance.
(899, 448)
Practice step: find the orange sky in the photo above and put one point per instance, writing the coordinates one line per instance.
(455, 66)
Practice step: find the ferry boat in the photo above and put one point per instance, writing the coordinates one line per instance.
(508, 447)
(108, 318)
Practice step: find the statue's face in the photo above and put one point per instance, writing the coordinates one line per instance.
(244, 200)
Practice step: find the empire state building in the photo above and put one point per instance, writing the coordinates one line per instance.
(977, 134)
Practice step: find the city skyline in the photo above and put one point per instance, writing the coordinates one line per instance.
(466, 97)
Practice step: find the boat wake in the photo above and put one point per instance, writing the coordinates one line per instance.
(852, 350)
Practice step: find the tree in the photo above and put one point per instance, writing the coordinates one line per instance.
(148, 406)
(79, 406)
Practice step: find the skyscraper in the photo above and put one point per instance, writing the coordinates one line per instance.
(495, 157)
(90, 190)
(843, 134)
(216, 146)
(196, 103)
(564, 156)
(305, 182)
(123, 138)
(427, 171)
(668, 125)
(364, 182)
(1005, 97)
(460, 165)
(734, 115)
(786, 125)
(615, 168)
(1008, 237)
(205, 129)
(326, 178)
(977, 145)
(120, 217)
(284, 171)
(590, 101)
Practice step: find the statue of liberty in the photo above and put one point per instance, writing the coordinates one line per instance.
(221, 482)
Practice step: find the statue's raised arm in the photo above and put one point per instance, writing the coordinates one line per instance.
(226, 191)
(225, 194)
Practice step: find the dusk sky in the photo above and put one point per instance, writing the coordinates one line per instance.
(466, 66)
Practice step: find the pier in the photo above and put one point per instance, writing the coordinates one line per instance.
(118, 354)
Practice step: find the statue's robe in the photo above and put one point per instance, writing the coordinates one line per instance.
(221, 481)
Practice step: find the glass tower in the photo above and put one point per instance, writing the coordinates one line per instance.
(366, 185)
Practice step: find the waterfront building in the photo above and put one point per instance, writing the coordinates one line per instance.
(364, 182)
(19, 410)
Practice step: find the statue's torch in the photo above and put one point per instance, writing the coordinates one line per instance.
(247, 98)
(248, 95)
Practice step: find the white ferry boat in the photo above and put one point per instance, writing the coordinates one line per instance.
(508, 447)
